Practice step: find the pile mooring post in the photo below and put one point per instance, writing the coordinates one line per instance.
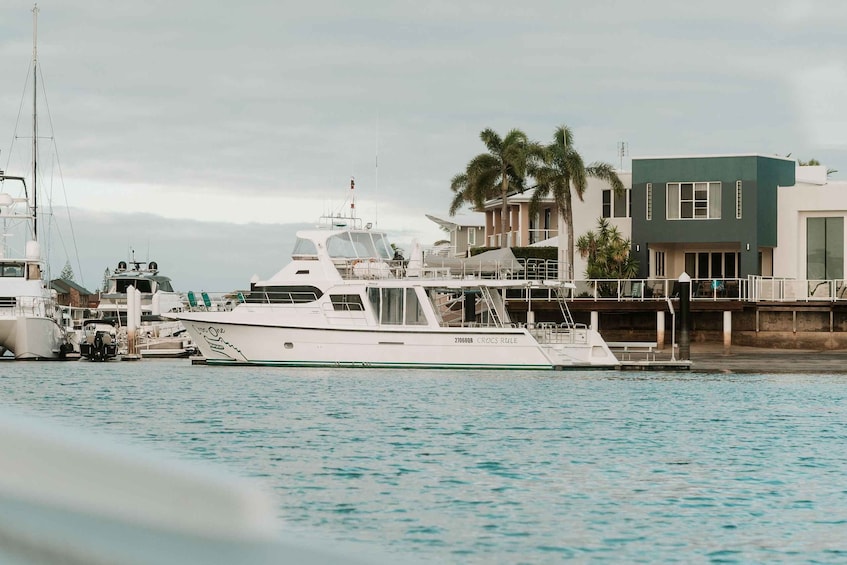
(684, 316)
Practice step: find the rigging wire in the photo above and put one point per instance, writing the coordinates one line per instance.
(62, 183)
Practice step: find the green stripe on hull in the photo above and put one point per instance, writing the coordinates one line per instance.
(360, 365)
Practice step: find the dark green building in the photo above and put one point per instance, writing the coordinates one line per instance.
(714, 217)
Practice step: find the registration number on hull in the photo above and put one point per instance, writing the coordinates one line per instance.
(487, 340)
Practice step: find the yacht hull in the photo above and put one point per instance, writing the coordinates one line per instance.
(32, 337)
(226, 342)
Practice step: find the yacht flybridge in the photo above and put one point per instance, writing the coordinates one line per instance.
(345, 301)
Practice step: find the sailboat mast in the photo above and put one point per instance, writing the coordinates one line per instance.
(35, 121)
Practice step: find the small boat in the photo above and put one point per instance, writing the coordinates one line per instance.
(99, 341)
(344, 300)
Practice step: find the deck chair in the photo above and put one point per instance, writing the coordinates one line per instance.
(192, 300)
(206, 301)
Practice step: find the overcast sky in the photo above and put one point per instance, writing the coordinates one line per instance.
(198, 131)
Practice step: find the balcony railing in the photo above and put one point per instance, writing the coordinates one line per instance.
(750, 289)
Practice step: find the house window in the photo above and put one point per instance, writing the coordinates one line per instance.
(547, 219)
(712, 265)
(617, 205)
(738, 200)
(622, 204)
(649, 201)
(659, 261)
(471, 236)
(694, 200)
(824, 248)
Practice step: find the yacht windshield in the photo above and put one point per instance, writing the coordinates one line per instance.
(304, 247)
(382, 246)
(358, 245)
(142, 285)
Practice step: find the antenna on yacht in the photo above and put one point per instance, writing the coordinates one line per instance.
(376, 175)
(35, 121)
(352, 197)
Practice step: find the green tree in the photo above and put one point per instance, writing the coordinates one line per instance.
(813, 163)
(105, 285)
(608, 253)
(561, 173)
(496, 174)
(67, 273)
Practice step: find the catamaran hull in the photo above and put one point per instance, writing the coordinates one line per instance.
(32, 337)
(501, 348)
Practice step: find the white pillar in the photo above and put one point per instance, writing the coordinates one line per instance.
(156, 307)
(131, 326)
(727, 331)
(595, 321)
(660, 329)
(138, 308)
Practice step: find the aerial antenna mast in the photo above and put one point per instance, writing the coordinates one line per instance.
(376, 175)
(352, 197)
(623, 151)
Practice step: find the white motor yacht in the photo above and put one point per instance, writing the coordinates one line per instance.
(30, 323)
(157, 335)
(345, 301)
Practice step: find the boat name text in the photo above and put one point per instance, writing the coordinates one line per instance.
(487, 340)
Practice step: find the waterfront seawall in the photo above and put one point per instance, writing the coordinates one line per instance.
(819, 326)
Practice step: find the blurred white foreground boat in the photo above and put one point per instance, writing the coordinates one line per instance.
(70, 498)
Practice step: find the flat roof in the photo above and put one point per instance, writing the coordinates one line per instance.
(717, 155)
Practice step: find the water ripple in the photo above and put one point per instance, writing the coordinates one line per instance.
(502, 467)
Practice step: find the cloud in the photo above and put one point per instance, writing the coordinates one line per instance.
(821, 90)
(189, 109)
(196, 255)
(212, 256)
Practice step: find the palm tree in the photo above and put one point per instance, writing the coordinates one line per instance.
(496, 174)
(563, 171)
(608, 253)
(814, 163)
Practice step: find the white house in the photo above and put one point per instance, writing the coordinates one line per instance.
(810, 227)
(465, 231)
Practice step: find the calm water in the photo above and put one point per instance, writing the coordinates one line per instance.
(501, 467)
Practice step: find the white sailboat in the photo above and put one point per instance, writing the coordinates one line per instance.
(30, 325)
